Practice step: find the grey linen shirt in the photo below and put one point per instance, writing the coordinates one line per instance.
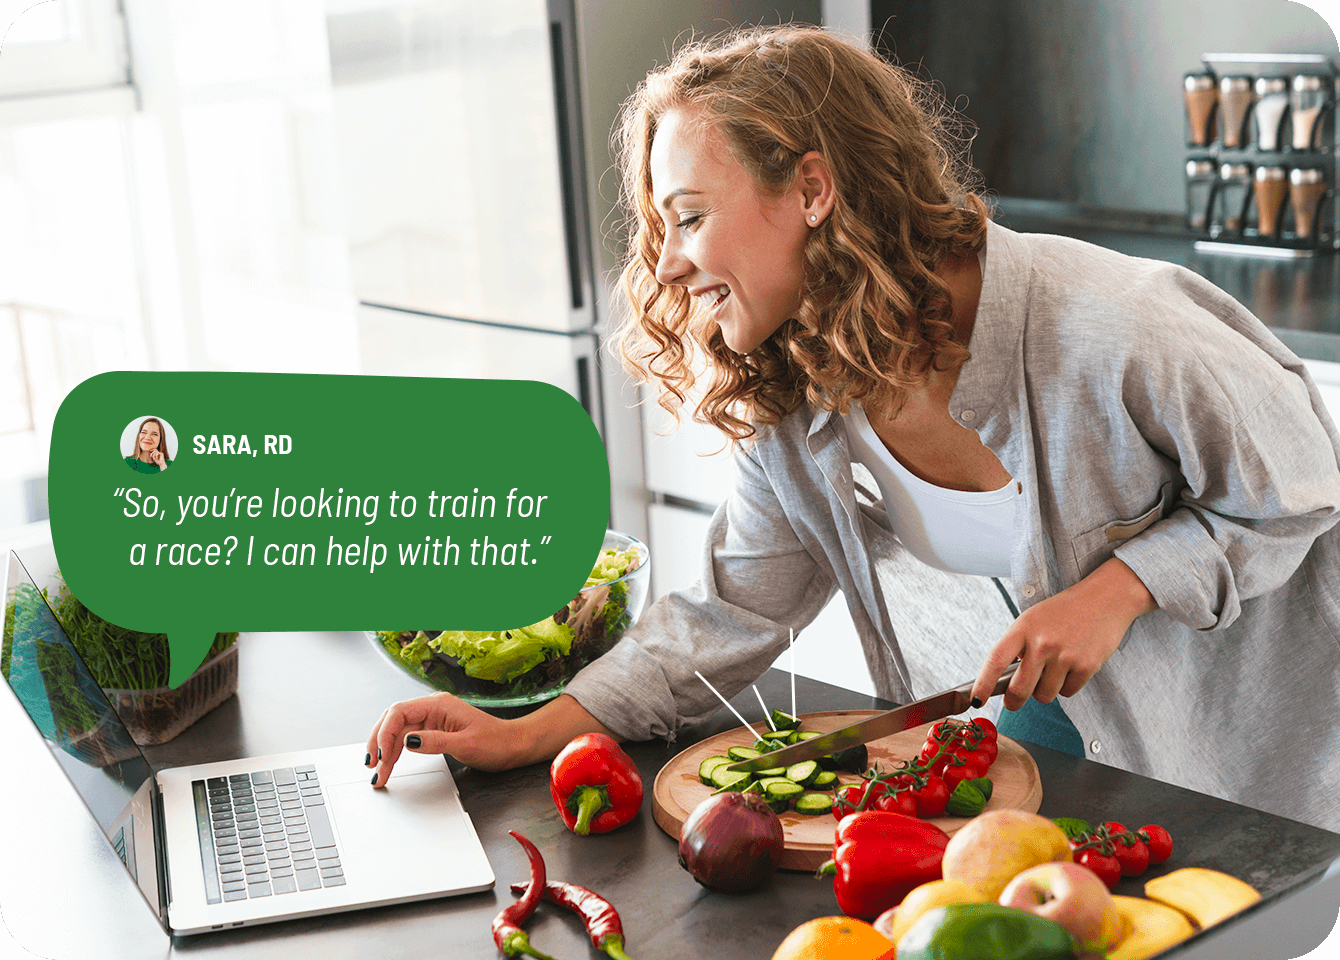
(1147, 415)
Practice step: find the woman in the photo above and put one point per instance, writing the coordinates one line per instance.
(1150, 467)
(150, 453)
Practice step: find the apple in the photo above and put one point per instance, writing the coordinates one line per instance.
(996, 846)
(1073, 896)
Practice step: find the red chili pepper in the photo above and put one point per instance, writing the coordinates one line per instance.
(507, 932)
(601, 919)
(595, 785)
(879, 858)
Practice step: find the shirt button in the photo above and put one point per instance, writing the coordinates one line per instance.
(1096, 746)
(968, 415)
(1029, 590)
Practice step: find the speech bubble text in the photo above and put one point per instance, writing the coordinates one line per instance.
(299, 502)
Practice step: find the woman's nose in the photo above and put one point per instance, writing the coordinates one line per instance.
(672, 266)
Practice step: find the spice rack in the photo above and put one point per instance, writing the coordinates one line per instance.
(1261, 158)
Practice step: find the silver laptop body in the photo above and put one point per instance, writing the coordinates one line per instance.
(239, 842)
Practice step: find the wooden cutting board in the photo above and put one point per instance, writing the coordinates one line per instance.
(809, 839)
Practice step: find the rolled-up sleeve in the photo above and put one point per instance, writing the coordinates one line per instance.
(1262, 482)
(758, 583)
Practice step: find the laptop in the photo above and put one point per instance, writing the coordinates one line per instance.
(237, 843)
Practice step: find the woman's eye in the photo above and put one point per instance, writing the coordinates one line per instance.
(688, 222)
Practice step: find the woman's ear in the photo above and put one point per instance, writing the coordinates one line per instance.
(816, 187)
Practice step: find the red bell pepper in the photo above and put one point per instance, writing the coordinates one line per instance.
(595, 785)
(880, 857)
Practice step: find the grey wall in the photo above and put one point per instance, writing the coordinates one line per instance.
(1080, 100)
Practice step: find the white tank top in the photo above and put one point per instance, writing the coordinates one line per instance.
(961, 531)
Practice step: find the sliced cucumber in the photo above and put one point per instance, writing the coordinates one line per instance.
(743, 753)
(771, 772)
(813, 804)
(707, 766)
(803, 772)
(783, 789)
(824, 780)
(724, 779)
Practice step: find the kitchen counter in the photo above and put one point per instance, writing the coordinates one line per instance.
(1298, 298)
(63, 893)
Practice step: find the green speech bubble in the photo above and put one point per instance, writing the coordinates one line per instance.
(303, 502)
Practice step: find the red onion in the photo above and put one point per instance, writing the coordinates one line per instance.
(732, 842)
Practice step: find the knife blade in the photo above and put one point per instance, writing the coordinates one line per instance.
(935, 707)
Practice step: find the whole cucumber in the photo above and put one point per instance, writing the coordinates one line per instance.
(977, 931)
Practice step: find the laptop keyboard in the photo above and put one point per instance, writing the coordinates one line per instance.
(265, 834)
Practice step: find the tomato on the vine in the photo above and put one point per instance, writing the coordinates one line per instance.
(988, 748)
(1129, 850)
(932, 798)
(942, 731)
(1159, 842)
(987, 727)
(1107, 867)
(955, 773)
(897, 802)
(982, 758)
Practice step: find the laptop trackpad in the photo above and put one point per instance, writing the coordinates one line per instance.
(413, 833)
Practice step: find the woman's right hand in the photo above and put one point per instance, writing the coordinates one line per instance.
(446, 724)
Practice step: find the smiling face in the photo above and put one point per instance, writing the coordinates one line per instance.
(149, 437)
(738, 253)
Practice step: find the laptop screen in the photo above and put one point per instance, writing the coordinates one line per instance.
(50, 680)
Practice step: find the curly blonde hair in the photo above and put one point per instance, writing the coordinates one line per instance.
(874, 318)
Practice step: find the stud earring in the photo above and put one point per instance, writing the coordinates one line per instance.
(814, 218)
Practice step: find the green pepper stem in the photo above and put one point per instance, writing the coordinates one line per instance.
(519, 942)
(613, 945)
(589, 802)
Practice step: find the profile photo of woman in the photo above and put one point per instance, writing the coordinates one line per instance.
(150, 452)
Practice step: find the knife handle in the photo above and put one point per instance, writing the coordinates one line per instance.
(966, 690)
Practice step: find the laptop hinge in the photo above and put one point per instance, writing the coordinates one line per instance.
(160, 844)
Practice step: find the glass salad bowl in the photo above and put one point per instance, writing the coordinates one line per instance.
(531, 664)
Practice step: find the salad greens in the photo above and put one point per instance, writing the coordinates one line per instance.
(523, 660)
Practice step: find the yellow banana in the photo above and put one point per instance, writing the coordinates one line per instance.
(1151, 928)
(1206, 896)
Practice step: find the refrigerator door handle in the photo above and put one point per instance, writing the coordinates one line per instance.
(567, 116)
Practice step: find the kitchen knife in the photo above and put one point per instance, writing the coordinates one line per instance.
(935, 707)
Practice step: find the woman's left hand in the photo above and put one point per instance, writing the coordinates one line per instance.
(159, 459)
(1063, 640)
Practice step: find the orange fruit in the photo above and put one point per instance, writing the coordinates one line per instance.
(835, 938)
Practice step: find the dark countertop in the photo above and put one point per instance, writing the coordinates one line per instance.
(318, 689)
(1298, 298)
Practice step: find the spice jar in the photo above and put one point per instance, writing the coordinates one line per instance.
(1307, 189)
(1305, 106)
(1200, 180)
(1235, 104)
(1272, 101)
(1233, 195)
(1272, 186)
(1202, 96)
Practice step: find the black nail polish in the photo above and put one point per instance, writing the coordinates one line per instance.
(413, 741)
(976, 702)
(374, 779)
(379, 754)
(367, 759)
